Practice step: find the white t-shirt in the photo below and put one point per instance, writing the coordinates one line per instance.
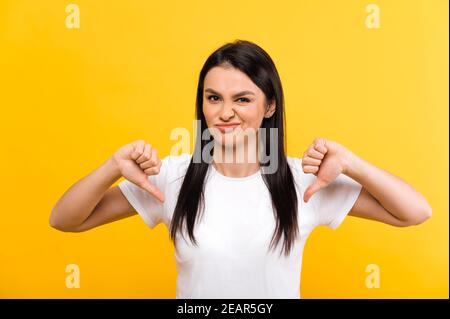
(232, 258)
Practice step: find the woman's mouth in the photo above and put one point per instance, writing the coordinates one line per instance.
(225, 128)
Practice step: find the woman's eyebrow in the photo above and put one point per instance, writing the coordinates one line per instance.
(234, 96)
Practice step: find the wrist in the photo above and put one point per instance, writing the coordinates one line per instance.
(348, 162)
(112, 167)
(353, 165)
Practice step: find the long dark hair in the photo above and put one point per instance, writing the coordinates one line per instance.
(259, 67)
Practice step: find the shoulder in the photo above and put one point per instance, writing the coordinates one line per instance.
(183, 158)
(294, 162)
(300, 177)
(175, 166)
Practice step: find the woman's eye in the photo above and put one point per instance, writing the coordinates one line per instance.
(213, 98)
(243, 100)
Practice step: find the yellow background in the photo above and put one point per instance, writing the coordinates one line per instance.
(71, 97)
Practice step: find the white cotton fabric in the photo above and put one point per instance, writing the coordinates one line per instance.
(232, 259)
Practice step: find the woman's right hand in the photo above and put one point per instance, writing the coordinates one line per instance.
(136, 161)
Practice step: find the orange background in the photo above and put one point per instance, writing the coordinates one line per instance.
(72, 97)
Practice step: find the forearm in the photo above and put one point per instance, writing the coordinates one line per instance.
(78, 202)
(395, 195)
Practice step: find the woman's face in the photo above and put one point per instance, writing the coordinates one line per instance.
(231, 98)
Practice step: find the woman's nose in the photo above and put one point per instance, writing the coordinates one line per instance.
(227, 111)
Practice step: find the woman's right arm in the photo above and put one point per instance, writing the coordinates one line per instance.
(92, 201)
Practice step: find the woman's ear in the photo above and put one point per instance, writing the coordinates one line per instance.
(270, 109)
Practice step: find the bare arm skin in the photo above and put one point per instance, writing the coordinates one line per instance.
(384, 197)
(92, 201)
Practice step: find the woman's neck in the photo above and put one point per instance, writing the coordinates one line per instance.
(232, 164)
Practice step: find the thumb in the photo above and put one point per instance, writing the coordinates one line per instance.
(153, 190)
(312, 189)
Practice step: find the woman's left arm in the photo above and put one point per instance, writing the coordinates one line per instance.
(384, 197)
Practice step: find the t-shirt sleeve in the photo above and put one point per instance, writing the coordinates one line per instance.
(148, 207)
(333, 203)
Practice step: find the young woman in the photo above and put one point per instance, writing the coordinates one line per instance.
(239, 227)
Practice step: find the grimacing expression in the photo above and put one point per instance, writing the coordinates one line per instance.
(230, 97)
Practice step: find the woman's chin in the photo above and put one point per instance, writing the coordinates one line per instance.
(229, 141)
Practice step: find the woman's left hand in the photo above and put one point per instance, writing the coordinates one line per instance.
(325, 159)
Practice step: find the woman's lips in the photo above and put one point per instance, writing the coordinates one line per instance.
(227, 128)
